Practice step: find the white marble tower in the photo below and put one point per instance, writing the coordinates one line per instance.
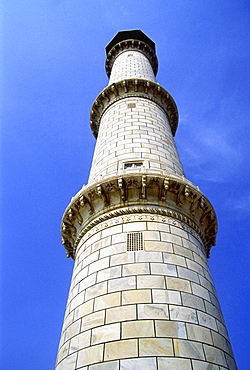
(141, 295)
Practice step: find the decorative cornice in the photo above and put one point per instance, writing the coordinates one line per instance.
(138, 193)
(133, 88)
(131, 45)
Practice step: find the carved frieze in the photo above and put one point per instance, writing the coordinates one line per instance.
(138, 193)
(133, 88)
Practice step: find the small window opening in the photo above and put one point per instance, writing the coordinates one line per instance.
(132, 165)
(134, 242)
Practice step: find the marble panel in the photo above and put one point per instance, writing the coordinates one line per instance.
(165, 363)
(179, 313)
(121, 349)
(171, 329)
(155, 347)
(153, 311)
(136, 296)
(105, 333)
(137, 329)
(187, 348)
(90, 355)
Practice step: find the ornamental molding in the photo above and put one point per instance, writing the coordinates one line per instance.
(133, 88)
(131, 45)
(136, 194)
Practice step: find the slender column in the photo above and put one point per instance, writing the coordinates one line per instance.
(141, 294)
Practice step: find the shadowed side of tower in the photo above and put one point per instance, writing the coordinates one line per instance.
(141, 294)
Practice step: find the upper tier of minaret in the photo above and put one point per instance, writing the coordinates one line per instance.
(140, 62)
(134, 117)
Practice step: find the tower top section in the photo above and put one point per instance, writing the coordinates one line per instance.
(131, 39)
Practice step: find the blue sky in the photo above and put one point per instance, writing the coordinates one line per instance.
(53, 69)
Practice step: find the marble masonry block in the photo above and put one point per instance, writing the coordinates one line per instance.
(182, 251)
(148, 256)
(220, 342)
(200, 291)
(81, 275)
(77, 300)
(231, 362)
(136, 296)
(127, 348)
(152, 235)
(124, 283)
(174, 364)
(92, 320)
(155, 347)
(137, 329)
(122, 258)
(105, 333)
(72, 330)
(123, 313)
(171, 329)
(175, 283)
(80, 341)
(109, 365)
(158, 246)
(170, 238)
(68, 363)
(153, 311)
(214, 311)
(150, 281)
(166, 296)
(90, 355)
(179, 313)
(200, 365)
(185, 273)
(68, 319)
(163, 269)
(178, 231)
(138, 363)
(221, 328)
(87, 282)
(139, 268)
(192, 265)
(96, 290)
(207, 320)
(108, 273)
(63, 352)
(90, 259)
(99, 265)
(84, 309)
(121, 237)
(187, 348)
(107, 301)
(174, 259)
(215, 355)
(191, 300)
(207, 284)
(113, 249)
(160, 226)
(199, 334)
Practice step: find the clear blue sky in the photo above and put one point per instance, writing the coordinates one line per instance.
(53, 69)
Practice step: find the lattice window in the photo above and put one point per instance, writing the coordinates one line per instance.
(134, 241)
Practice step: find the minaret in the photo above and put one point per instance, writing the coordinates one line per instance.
(141, 295)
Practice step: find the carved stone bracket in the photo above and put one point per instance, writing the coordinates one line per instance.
(135, 193)
(133, 88)
(131, 45)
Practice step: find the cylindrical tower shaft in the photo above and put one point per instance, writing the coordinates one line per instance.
(141, 294)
